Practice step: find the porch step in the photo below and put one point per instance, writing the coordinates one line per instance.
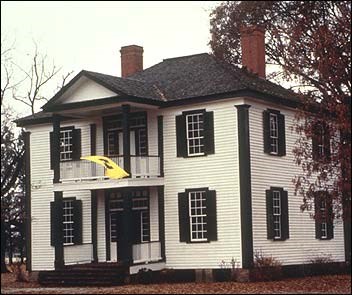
(79, 275)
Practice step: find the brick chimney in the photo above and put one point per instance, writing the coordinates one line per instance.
(131, 60)
(253, 49)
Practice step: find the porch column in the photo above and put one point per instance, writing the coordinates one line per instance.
(94, 222)
(126, 138)
(126, 237)
(56, 148)
(161, 220)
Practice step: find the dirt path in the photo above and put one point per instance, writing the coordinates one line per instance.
(334, 284)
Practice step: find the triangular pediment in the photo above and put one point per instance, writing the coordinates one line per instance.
(84, 89)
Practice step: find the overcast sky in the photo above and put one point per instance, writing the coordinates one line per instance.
(88, 35)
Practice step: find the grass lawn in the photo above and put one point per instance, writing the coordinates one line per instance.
(330, 284)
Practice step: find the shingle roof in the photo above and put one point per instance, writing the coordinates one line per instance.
(128, 86)
(176, 79)
(203, 75)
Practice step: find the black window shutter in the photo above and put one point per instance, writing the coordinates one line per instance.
(284, 215)
(56, 212)
(266, 132)
(317, 217)
(183, 216)
(269, 215)
(211, 216)
(77, 222)
(327, 152)
(51, 150)
(209, 146)
(315, 147)
(330, 224)
(181, 139)
(282, 135)
(76, 144)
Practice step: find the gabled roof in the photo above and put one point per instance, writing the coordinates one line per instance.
(183, 80)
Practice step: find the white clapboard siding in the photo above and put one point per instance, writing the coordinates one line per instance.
(279, 171)
(84, 90)
(41, 196)
(217, 172)
(101, 226)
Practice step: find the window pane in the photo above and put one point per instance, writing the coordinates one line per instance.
(195, 137)
(197, 216)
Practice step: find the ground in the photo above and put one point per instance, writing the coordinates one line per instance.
(331, 284)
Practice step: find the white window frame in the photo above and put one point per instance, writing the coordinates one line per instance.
(274, 133)
(321, 142)
(277, 226)
(197, 134)
(142, 136)
(68, 223)
(201, 231)
(66, 145)
(145, 227)
(323, 223)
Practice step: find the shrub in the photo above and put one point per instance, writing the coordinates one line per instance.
(320, 264)
(144, 276)
(227, 271)
(266, 268)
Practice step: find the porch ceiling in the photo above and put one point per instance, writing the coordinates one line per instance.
(103, 110)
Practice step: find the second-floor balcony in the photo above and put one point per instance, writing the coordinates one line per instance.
(83, 170)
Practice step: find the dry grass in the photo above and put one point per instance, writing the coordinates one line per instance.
(331, 284)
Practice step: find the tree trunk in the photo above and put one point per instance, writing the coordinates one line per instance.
(10, 246)
(3, 246)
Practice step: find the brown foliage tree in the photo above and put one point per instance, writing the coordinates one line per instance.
(310, 41)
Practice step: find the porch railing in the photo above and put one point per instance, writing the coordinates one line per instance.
(146, 252)
(141, 167)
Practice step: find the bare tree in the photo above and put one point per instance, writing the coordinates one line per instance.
(37, 76)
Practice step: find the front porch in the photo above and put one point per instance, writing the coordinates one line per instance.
(126, 227)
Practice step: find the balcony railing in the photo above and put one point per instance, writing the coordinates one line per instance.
(146, 252)
(141, 167)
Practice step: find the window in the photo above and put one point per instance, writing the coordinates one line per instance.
(145, 230)
(70, 145)
(274, 133)
(195, 134)
(197, 216)
(68, 222)
(113, 127)
(277, 214)
(113, 145)
(320, 142)
(323, 216)
(141, 142)
(140, 213)
(65, 145)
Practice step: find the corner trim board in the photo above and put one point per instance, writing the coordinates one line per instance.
(28, 216)
(245, 185)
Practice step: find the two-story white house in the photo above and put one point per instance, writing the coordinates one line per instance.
(209, 150)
